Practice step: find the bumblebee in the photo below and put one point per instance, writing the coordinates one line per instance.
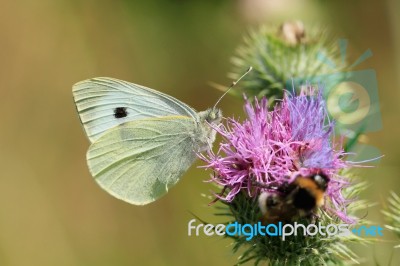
(298, 199)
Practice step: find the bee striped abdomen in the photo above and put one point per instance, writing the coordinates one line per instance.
(298, 199)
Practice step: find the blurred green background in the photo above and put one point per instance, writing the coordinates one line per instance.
(51, 210)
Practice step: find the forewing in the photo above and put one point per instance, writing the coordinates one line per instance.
(139, 161)
(104, 103)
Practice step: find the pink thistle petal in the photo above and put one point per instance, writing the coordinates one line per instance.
(275, 146)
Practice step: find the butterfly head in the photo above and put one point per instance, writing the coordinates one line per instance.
(206, 134)
(212, 115)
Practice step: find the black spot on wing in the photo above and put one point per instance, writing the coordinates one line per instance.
(120, 112)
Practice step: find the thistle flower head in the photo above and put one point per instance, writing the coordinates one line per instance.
(272, 147)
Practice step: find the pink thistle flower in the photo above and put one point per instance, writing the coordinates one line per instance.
(272, 147)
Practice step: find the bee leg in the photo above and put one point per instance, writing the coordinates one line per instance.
(313, 217)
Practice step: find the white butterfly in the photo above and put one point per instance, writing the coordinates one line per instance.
(142, 140)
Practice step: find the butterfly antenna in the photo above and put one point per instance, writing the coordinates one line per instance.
(233, 84)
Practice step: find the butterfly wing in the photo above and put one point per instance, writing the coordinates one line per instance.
(139, 161)
(104, 103)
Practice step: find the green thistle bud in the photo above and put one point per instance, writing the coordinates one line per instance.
(278, 56)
